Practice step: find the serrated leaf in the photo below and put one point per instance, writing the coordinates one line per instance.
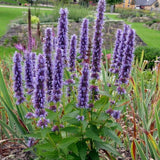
(93, 155)
(71, 129)
(67, 141)
(109, 148)
(101, 102)
(82, 149)
(109, 133)
(92, 133)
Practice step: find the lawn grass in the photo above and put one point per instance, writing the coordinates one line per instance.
(6, 52)
(8, 14)
(149, 36)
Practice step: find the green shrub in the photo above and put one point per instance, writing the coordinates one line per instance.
(150, 54)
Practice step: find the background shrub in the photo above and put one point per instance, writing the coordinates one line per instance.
(150, 54)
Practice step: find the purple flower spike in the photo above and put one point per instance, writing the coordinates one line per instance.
(122, 48)
(58, 77)
(55, 128)
(80, 118)
(83, 90)
(29, 115)
(43, 123)
(116, 114)
(33, 56)
(84, 38)
(94, 92)
(121, 90)
(127, 58)
(113, 68)
(72, 53)
(31, 142)
(29, 72)
(40, 113)
(97, 40)
(17, 70)
(39, 92)
(47, 50)
(53, 108)
(54, 41)
(62, 36)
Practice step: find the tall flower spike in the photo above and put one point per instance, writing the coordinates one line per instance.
(97, 40)
(54, 40)
(83, 96)
(122, 48)
(84, 38)
(62, 36)
(58, 76)
(113, 68)
(17, 70)
(33, 56)
(39, 92)
(72, 53)
(29, 73)
(29, 31)
(127, 58)
(47, 50)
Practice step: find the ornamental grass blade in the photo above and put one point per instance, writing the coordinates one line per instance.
(141, 153)
(133, 150)
(4, 92)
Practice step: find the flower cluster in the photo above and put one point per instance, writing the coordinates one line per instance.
(47, 50)
(84, 39)
(94, 92)
(62, 36)
(33, 55)
(58, 76)
(83, 90)
(72, 53)
(39, 92)
(114, 68)
(29, 72)
(122, 48)
(97, 40)
(114, 113)
(127, 58)
(17, 70)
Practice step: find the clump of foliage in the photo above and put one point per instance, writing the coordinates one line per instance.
(150, 54)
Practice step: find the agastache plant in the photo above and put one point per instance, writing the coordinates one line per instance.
(29, 73)
(122, 48)
(62, 36)
(127, 58)
(84, 38)
(17, 70)
(33, 56)
(83, 91)
(114, 68)
(58, 77)
(39, 92)
(72, 53)
(97, 40)
(47, 50)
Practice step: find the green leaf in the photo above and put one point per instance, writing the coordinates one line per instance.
(109, 133)
(101, 102)
(71, 129)
(82, 149)
(4, 125)
(109, 148)
(141, 153)
(67, 141)
(93, 155)
(92, 133)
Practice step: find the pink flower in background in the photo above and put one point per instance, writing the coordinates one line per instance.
(19, 46)
(108, 56)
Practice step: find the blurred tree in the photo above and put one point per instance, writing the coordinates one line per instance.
(113, 2)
